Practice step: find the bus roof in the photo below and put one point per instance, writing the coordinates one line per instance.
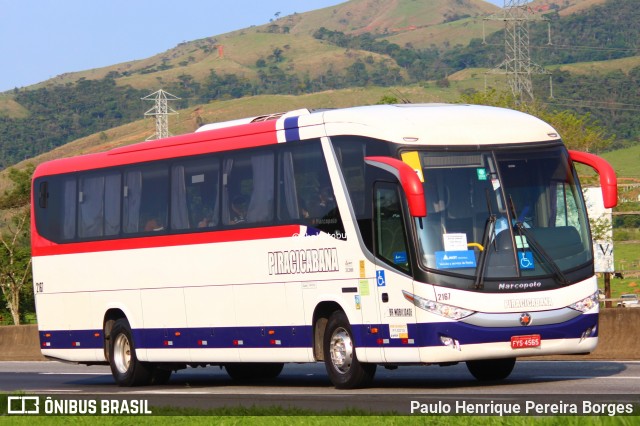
(420, 124)
(440, 124)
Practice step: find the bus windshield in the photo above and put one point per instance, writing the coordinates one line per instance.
(502, 214)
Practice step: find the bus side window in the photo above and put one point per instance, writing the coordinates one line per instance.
(248, 188)
(305, 191)
(99, 205)
(56, 220)
(145, 202)
(195, 203)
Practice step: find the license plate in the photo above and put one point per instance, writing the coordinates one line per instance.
(529, 341)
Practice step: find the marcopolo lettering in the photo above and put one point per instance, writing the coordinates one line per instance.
(303, 261)
(519, 286)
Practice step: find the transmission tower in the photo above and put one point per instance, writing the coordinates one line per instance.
(161, 111)
(517, 64)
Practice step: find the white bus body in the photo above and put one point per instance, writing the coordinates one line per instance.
(261, 278)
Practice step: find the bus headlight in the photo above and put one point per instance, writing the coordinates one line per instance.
(586, 304)
(447, 311)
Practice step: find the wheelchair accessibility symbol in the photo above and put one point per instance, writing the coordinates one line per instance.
(380, 279)
(525, 259)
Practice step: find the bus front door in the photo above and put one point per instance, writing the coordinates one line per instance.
(393, 275)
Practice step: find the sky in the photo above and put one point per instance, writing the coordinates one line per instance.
(40, 39)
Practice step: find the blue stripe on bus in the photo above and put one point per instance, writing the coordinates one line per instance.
(301, 336)
(72, 339)
(224, 337)
(311, 231)
(291, 130)
(429, 334)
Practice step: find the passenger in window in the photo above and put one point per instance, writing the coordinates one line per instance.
(304, 211)
(239, 209)
(207, 219)
(324, 203)
(153, 225)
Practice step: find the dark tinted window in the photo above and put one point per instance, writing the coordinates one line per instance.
(287, 183)
(305, 191)
(351, 151)
(195, 200)
(247, 187)
(99, 205)
(145, 205)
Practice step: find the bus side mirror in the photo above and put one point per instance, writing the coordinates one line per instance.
(409, 181)
(608, 180)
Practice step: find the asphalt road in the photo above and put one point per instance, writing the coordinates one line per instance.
(307, 386)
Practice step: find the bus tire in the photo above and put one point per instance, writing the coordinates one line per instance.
(125, 367)
(341, 363)
(254, 370)
(487, 370)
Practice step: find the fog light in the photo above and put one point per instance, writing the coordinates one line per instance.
(450, 341)
(589, 332)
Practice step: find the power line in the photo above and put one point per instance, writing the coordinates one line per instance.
(573, 47)
(517, 64)
(161, 112)
(581, 103)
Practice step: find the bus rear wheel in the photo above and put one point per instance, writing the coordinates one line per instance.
(254, 370)
(343, 367)
(125, 367)
(487, 370)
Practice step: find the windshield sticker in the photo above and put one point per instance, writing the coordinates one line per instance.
(521, 242)
(413, 160)
(455, 259)
(482, 173)
(495, 183)
(525, 258)
(455, 242)
(399, 257)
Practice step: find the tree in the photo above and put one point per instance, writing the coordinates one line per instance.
(387, 100)
(15, 253)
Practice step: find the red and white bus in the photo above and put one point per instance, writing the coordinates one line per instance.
(378, 235)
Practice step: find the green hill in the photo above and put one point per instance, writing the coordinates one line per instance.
(382, 46)
(626, 162)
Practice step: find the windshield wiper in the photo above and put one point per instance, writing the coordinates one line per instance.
(526, 235)
(489, 232)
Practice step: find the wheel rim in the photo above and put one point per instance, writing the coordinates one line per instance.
(341, 350)
(122, 353)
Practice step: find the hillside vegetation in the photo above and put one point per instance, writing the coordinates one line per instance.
(391, 44)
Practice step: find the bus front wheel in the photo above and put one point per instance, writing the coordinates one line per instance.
(125, 367)
(487, 370)
(343, 367)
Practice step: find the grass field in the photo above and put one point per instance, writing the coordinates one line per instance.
(625, 161)
(539, 414)
(626, 256)
(279, 417)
